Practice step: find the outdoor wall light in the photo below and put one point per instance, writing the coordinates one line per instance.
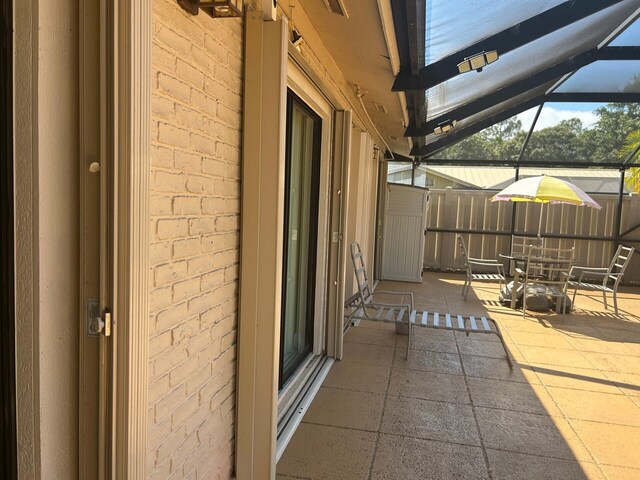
(445, 127)
(478, 62)
(214, 8)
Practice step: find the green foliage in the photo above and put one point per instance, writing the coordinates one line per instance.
(633, 175)
(566, 141)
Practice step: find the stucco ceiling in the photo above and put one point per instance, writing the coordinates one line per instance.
(358, 46)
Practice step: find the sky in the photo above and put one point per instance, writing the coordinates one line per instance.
(554, 113)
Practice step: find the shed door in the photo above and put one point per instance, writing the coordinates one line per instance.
(404, 233)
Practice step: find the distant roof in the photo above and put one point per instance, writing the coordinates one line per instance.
(493, 178)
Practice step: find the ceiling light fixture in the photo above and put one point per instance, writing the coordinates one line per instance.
(213, 8)
(478, 62)
(445, 127)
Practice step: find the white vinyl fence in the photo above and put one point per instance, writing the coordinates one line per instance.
(460, 210)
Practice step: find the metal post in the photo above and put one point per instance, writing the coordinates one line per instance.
(618, 225)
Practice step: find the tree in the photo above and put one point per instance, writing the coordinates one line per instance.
(633, 177)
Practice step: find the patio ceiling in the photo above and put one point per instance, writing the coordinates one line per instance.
(545, 51)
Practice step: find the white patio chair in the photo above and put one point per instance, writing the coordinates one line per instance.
(614, 272)
(366, 304)
(470, 262)
(548, 267)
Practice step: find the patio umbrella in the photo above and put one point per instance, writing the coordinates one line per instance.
(545, 189)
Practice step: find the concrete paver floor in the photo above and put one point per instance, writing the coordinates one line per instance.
(570, 409)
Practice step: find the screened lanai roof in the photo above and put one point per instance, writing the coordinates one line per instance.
(469, 64)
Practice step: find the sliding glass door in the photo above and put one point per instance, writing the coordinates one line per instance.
(300, 235)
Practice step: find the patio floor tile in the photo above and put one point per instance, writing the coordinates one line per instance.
(413, 458)
(480, 348)
(428, 361)
(610, 444)
(518, 466)
(350, 451)
(371, 336)
(358, 376)
(368, 354)
(428, 386)
(528, 433)
(555, 356)
(519, 397)
(597, 407)
(430, 420)
(570, 408)
(494, 368)
(575, 378)
(347, 409)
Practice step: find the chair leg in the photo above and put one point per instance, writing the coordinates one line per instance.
(604, 299)
(573, 300)
(504, 345)
(524, 301)
(468, 284)
(409, 340)
(615, 301)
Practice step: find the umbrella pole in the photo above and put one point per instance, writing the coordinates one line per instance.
(540, 221)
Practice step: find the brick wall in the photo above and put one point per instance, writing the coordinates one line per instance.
(195, 203)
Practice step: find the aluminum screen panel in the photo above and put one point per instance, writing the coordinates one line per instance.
(609, 76)
(529, 59)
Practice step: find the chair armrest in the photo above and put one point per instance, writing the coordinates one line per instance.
(575, 270)
(483, 261)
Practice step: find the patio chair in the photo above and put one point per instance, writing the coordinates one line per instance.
(366, 294)
(548, 268)
(614, 272)
(470, 262)
(365, 308)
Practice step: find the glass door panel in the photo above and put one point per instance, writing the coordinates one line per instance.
(300, 235)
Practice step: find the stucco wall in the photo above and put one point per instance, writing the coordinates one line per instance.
(195, 204)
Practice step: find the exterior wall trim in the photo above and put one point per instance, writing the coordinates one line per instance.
(132, 149)
(261, 246)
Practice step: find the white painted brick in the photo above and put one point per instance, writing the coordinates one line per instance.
(170, 272)
(169, 182)
(186, 289)
(162, 107)
(159, 298)
(170, 40)
(210, 317)
(227, 115)
(212, 279)
(174, 88)
(173, 135)
(161, 156)
(159, 253)
(216, 49)
(195, 382)
(160, 205)
(172, 442)
(157, 389)
(213, 167)
(180, 373)
(159, 343)
(159, 432)
(163, 58)
(179, 455)
(227, 223)
(171, 317)
(200, 304)
(201, 184)
(172, 228)
(168, 403)
(198, 226)
(212, 205)
(189, 74)
(231, 274)
(216, 89)
(203, 144)
(186, 205)
(187, 328)
(186, 248)
(189, 118)
(200, 264)
(203, 102)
